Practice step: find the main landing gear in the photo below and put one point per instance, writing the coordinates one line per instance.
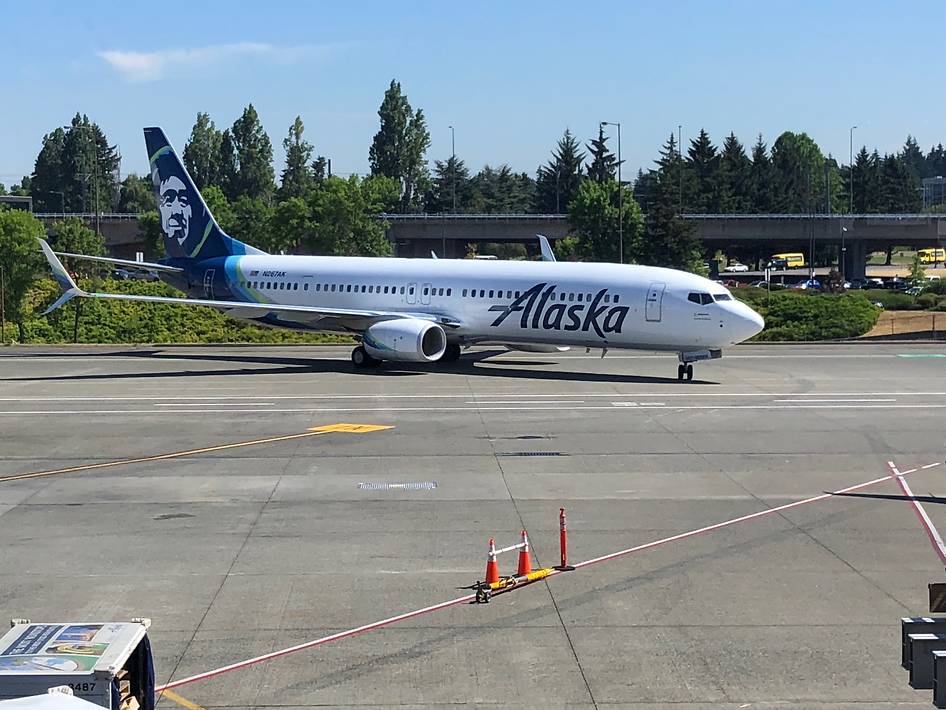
(684, 372)
(361, 358)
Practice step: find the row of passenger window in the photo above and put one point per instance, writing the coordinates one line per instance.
(704, 298)
(426, 291)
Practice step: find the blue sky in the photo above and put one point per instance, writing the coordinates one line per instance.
(510, 77)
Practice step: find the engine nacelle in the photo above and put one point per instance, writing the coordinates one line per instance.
(536, 348)
(405, 340)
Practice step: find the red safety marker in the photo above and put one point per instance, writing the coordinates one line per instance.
(563, 541)
(525, 561)
(492, 567)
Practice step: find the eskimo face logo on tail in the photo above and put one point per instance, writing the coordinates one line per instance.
(175, 207)
(184, 221)
(541, 311)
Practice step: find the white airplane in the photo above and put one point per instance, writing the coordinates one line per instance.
(426, 310)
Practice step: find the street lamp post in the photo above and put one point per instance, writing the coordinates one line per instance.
(620, 195)
(850, 203)
(95, 175)
(453, 152)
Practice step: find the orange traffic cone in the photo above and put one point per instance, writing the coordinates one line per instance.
(525, 561)
(492, 567)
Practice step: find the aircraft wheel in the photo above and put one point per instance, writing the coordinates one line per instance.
(361, 358)
(689, 372)
(451, 354)
(681, 371)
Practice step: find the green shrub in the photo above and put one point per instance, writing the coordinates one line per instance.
(107, 321)
(893, 300)
(807, 315)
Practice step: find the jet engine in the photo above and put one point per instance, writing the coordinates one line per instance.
(405, 340)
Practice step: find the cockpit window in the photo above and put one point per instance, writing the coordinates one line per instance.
(700, 298)
(722, 296)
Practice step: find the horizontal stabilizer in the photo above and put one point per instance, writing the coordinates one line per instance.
(123, 262)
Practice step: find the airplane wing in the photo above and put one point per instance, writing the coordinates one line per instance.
(357, 318)
(123, 262)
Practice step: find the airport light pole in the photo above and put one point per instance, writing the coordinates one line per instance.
(453, 152)
(620, 195)
(850, 203)
(95, 156)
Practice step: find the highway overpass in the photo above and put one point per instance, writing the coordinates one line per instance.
(416, 235)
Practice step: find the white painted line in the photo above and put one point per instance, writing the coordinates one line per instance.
(214, 404)
(931, 465)
(538, 408)
(652, 404)
(623, 404)
(466, 394)
(519, 401)
(830, 401)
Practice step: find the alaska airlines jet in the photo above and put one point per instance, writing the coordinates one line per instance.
(426, 310)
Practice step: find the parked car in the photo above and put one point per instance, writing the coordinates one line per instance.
(121, 274)
(736, 268)
(874, 283)
(813, 284)
(914, 291)
(778, 264)
(896, 284)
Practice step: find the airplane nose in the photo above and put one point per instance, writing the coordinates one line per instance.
(746, 323)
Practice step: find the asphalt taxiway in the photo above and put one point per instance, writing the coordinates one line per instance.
(187, 485)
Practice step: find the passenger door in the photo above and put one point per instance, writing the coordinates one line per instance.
(209, 283)
(411, 293)
(425, 294)
(655, 297)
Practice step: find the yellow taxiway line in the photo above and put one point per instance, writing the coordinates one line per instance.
(180, 700)
(315, 431)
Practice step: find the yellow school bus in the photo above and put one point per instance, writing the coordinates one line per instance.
(793, 260)
(932, 256)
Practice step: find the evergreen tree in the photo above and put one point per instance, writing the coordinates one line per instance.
(603, 165)
(645, 186)
(399, 148)
(898, 189)
(557, 183)
(936, 162)
(798, 166)
(24, 188)
(202, 152)
(501, 191)
(867, 197)
(668, 240)
(761, 179)
(703, 163)
(914, 160)
(227, 178)
(137, 195)
(595, 218)
(451, 189)
(48, 180)
(297, 178)
(735, 178)
(75, 167)
(254, 158)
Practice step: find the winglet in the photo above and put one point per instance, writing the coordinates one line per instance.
(547, 253)
(66, 283)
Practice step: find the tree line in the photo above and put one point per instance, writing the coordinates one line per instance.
(310, 209)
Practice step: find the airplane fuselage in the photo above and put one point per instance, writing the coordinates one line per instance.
(553, 303)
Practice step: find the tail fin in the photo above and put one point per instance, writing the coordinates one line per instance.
(190, 230)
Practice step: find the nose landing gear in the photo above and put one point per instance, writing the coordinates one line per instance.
(684, 372)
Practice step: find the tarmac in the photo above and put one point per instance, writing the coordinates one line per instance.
(241, 550)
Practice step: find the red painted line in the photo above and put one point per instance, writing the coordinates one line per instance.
(935, 540)
(317, 642)
(471, 597)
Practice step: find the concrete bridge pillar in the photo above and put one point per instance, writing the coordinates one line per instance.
(855, 259)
